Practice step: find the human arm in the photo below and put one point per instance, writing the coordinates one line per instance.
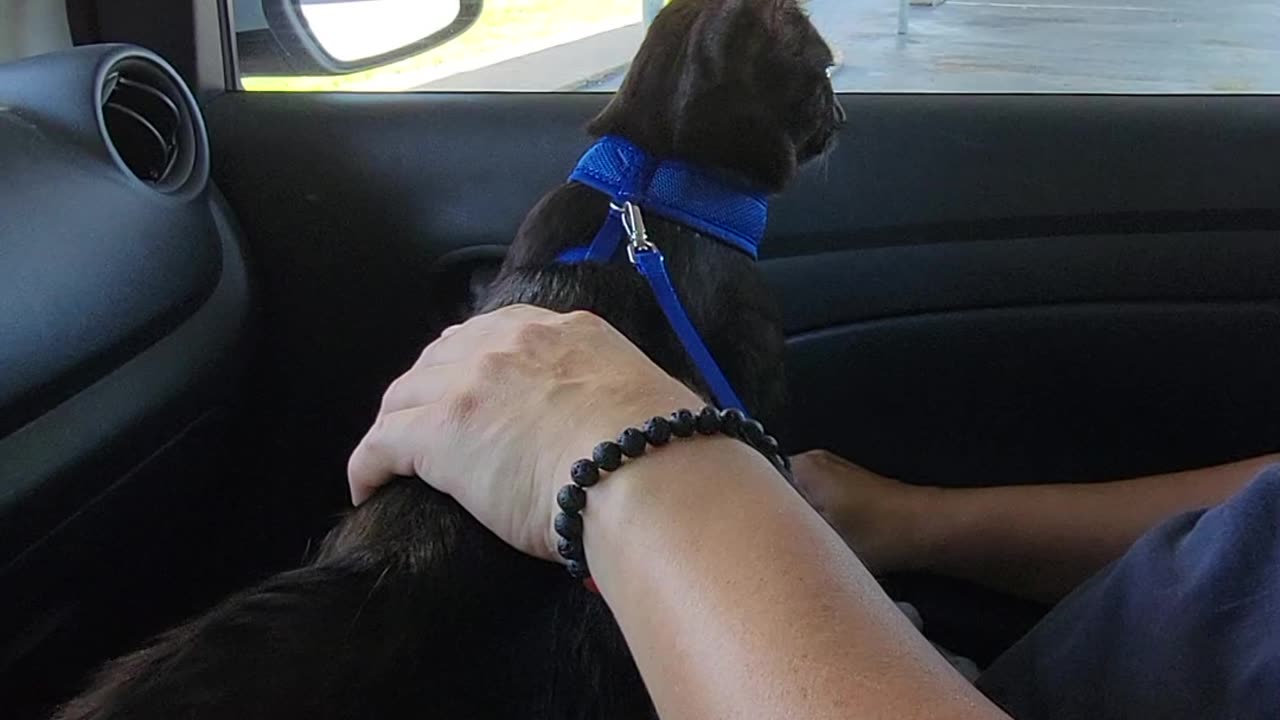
(723, 581)
(736, 600)
(1035, 541)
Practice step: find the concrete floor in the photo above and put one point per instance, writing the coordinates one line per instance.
(1130, 46)
(1086, 46)
(1082, 46)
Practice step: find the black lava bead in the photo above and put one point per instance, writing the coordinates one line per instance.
(708, 421)
(571, 498)
(585, 473)
(607, 455)
(753, 432)
(731, 420)
(578, 569)
(632, 442)
(658, 431)
(569, 525)
(682, 422)
(570, 549)
(769, 445)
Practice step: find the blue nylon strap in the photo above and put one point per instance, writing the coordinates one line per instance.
(712, 205)
(678, 192)
(653, 267)
(573, 255)
(607, 241)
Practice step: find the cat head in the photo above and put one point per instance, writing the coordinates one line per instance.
(737, 85)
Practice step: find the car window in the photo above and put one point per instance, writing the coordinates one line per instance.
(1010, 46)
(32, 27)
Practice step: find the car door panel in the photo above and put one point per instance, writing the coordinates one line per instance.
(1056, 393)
(930, 205)
(976, 289)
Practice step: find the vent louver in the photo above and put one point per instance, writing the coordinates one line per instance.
(152, 125)
(143, 122)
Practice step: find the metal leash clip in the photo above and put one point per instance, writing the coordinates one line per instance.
(637, 235)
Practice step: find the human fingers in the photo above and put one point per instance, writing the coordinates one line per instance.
(460, 341)
(380, 455)
(401, 442)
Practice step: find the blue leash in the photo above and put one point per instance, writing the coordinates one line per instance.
(678, 192)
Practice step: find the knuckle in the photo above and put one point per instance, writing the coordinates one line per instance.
(355, 462)
(378, 436)
(565, 367)
(584, 319)
(534, 333)
(462, 408)
(389, 396)
(494, 363)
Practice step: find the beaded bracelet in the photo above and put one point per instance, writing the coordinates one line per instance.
(608, 456)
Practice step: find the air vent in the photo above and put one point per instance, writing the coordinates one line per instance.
(152, 125)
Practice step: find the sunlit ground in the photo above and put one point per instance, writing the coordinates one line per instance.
(506, 29)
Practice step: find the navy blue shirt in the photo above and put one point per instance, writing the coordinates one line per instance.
(1185, 625)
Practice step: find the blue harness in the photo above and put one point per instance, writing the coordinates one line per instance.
(678, 192)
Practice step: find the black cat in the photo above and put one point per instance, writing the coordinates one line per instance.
(411, 608)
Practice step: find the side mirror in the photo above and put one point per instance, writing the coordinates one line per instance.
(344, 36)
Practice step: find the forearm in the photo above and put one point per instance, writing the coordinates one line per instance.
(738, 601)
(1041, 541)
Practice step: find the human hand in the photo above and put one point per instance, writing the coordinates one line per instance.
(883, 520)
(497, 409)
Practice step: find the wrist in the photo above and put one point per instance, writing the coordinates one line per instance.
(659, 505)
(631, 406)
(919, 519)
(941, 522)
(627, 406)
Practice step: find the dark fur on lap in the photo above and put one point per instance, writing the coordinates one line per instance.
(411, 608)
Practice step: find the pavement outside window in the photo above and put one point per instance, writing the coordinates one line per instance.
(1088, 46)
(1081, 46)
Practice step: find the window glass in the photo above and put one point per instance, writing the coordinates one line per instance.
(1078, 46)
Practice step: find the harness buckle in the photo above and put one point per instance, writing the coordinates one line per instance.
(637, 235)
